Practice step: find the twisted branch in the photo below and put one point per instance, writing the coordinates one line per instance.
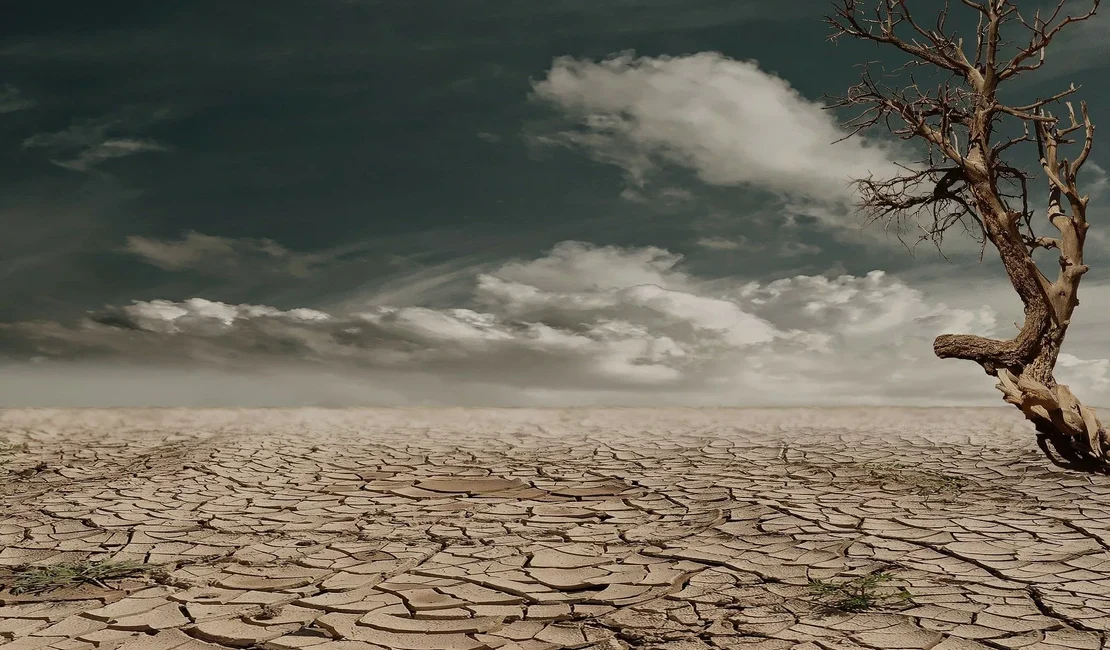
(965, 179)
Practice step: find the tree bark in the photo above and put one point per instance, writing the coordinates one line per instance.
(956, 123)
(1025, 365)
(1025, 368)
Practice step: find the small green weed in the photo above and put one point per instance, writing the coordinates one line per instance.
(859, 594)
(41, 579)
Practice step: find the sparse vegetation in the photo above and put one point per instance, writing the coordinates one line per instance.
(861, 593)
(42, 579)
(926, 481)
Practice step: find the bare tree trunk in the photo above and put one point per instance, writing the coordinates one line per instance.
(1025, 365)
(1041, 367)
(970, 179)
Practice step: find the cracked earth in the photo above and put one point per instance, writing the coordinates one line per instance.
(464, 529)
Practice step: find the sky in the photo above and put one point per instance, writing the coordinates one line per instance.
(479, 203)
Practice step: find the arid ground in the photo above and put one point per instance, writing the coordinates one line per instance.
(676, 529)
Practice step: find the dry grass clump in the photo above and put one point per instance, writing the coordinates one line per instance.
(42, 579)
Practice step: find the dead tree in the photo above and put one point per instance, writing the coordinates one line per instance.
(946, 99)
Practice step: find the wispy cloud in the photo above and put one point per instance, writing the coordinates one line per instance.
(582, 324)
(12, 100)
(1081, 47)
(107, 150)
(742, 244)
(87, 143)
(1100, 182)
(210, 254)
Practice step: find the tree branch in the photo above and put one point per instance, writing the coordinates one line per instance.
(965, 179)
(1042, 34)
(881, 29)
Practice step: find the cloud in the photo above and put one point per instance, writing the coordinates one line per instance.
(723, 244)
(740, 243)
(1097, 187)
(1093, 373)
(727, 120)
(12, 100)
(582, 324)
(1080, 48)
(87, 143)
(223, 255)
(107, 150)
(417, 283)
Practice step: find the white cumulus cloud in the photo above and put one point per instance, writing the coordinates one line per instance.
(728, 120)
(582, 324)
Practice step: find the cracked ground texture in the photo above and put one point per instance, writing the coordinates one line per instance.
(462, 529)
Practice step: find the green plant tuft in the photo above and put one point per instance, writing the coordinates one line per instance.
(859, 594)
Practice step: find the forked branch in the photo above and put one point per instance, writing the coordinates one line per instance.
(966, 179)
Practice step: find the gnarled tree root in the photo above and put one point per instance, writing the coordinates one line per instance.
(1073, 429)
